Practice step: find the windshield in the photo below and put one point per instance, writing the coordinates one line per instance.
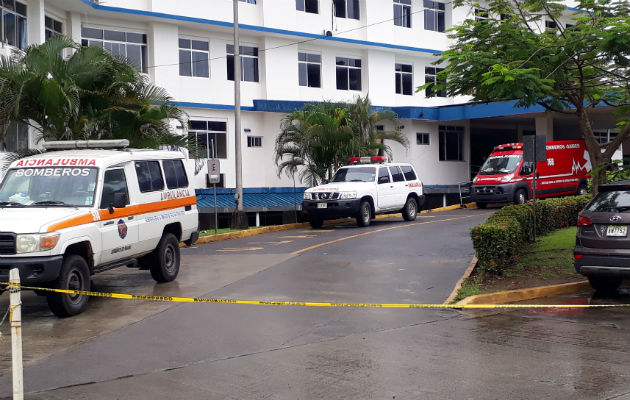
(54, 186)
(500, 164)
(361, 174)
(615, 201)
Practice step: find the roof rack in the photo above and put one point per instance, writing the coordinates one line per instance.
(86, 144)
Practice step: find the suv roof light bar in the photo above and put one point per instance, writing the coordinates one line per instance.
(86, 144)
(368, 160)
(509, 146)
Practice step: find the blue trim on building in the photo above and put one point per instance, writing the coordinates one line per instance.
(256, 28)
(212, 106)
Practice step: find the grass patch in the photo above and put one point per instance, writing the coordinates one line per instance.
(549, 261)
(210, 232)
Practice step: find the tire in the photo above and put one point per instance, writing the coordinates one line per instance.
(74, 275)
(481, 205)
(165, 265)
(365, 214)
(316, 223)
(410, 211)
(520, 197)
(604, 284)
(581, 190)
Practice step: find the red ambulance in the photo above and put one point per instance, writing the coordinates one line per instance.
(505, 177)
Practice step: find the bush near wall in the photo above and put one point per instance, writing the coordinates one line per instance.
(503, 237)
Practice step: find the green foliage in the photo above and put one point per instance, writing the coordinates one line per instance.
(92, 94)
(322, 137)
(503, 237)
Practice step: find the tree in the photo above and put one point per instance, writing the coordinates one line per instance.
(92, 94)
(565, 69)
(321, 137)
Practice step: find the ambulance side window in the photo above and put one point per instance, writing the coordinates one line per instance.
(397, 174)
(113, 182)
(175, 174)
(149, 176)
(410, 175)
(383, 175)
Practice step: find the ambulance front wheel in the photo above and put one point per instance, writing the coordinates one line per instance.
(74, 275)
(520, 197)
(165, 264)
(316, 222)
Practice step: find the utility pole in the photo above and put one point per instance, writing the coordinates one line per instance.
(239, 218)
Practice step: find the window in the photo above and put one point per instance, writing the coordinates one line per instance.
(431, 75)
(175, 174)
(114, 181)
(409, 173)
(550, 25)
(397, 175)
(249, 63)
(404, 79)
(422, 138)
(505, 17)
(606, 136)
(309, 6)
(451, 143)
(193, 58)
(248, 1)
(348, 73)
(254, 141)
(132, 46)
(14, 23)
(481, 14)
(52, 27)
(17, 137)
(310, 69)
(402, 13)
(383, 175)
(346, 8)
(208, 138)
(434, 16)
(149, 176)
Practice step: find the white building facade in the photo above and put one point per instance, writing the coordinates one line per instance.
(294, 51)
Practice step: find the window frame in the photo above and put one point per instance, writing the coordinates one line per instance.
(19, 12)
(400, 74)
(208, 132)
(348, 68)
(423, 139)
(306, 63)
(446, 132)
(180, 163)
(103, 190)
(52, 31)
(434, 12)
(301, 5)
(127, 42)
(245, 58)
(398, 176)
(346, 9)
(254, 141)
(404, 20)
(409, 175)
(432, 76)
(190, 59)
(159, 169)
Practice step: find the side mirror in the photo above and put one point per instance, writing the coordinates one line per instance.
(526, 170)
(325, 181)
(120, 201)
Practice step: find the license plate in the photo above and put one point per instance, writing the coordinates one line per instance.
(614, 230)
(322, 205)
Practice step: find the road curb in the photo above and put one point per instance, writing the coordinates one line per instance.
(511, 296)
(277, 228)
(460, 282)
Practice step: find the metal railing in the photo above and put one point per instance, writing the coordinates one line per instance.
(465, 192)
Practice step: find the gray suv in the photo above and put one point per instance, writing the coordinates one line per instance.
(602, 246)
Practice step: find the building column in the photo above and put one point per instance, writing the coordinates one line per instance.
(166, 37)
(73, 26)
(625, 147)
(35, 13)
(544, 125)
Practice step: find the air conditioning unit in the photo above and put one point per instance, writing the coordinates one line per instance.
(327, 32)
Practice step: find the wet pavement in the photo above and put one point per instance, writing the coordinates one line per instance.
(140, 350)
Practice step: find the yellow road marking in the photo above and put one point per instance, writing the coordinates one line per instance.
(273, 243)
(318, 230)
(297, 237)
(376, 231)
(241, 249)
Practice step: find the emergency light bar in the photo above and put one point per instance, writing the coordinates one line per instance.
(86, 144)
(368, 160)
(509, 146)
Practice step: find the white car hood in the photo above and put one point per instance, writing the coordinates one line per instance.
(33, 219)
(339, 187)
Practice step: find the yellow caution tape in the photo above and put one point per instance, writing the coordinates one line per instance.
(309, 303)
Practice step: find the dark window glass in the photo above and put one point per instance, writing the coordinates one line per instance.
(348, 73)
(340, 8)
(342, 78)
(217, 126)
(451, 143)
(198, 125)
(249, 63)
(8, 20)
(383, 175)
(149, 176)
(115, 35)
(434, 16)
(209, 138)
(136, 37)
(200, 45)
(184, 63)
(422, 138)
(397, 174)
(409, 173)
(200, 64)
(402, 13)
(134, 54)
(430, 75)
(309, 68)
(175, 174)
(91, 33)
(309, 6)
(404, 79)
(614, 201)
(355, 79)
(113, 182)
(184, 43)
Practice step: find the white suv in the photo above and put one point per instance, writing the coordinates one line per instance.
(66, 215)
(364, 190)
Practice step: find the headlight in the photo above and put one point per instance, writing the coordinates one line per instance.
(507, 178)
(307, 196)
(36, 242)
(348, 195)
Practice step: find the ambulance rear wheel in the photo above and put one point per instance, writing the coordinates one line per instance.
(582, 189)
(410, 210)
(482, 205)
(74, 275)
(165, 265)
(520, 197)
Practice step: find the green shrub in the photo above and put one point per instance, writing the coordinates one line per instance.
(500, 240)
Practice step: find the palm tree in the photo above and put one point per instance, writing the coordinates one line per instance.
(92, 94)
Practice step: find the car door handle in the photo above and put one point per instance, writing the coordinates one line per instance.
(130, 218)
(108, 223)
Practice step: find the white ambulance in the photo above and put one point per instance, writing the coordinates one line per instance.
(65, 215)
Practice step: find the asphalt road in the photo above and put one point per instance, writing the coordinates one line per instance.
(140, 350)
